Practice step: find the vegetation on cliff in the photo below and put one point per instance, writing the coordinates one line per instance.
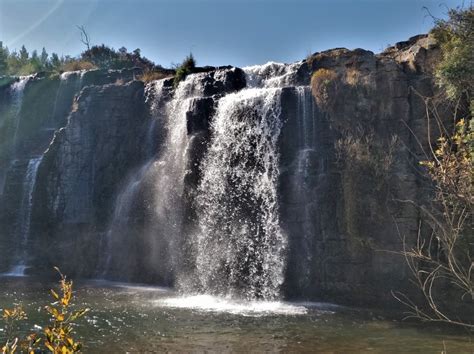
(441, 259)
(95, 57)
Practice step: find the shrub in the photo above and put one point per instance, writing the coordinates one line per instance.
(77, 65)
(367, 152)
(57, 337)
(187, 67)
(150, 75)
(323, 85)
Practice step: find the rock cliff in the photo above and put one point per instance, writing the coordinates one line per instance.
(348, 154)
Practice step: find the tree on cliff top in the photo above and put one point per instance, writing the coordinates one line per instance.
(3, 59)
(455, 72)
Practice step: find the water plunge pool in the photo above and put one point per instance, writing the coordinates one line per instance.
(126, 317)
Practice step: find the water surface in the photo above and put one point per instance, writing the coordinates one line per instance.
(127, 317)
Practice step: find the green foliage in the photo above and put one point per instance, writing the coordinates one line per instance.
(57, 336)
(455, 72)
(3, 59)
(99, 56)
(187, 67)
(105, 57)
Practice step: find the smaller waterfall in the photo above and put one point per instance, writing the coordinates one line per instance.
(301, 178)
(121, 219)
(17, 90)
(64, 78)
(24, 219)
(163, 174)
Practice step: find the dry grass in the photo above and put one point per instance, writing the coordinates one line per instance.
(149, 76)
(78, 65)
(323, 85)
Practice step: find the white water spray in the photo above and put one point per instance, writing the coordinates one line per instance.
(24, 222)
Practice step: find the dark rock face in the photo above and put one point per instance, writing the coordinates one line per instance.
(344, 164)
(85, 164)
(363, 161)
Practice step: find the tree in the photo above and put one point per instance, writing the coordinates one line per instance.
(3, 59)
(14, 64)
(55, 61)
(44, 58)
(85, 38)
(455, 73)
(23, 55)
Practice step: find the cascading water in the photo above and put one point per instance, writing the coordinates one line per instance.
(17, 90)
(240, 247)
(166, 170)
(64, 78)
(237, 245)
(122, 218)
(300, 181)
(24, 219)
(272, 74)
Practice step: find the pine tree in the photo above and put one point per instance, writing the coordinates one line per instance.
(35, 62)
(24, 55)
(55, 61)
(3, 59)
(44, 58)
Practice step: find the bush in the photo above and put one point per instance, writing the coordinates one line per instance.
(77, 65)
(323, 85)
(150, 75)
(57, 337)
(187, 67)
(365, 151)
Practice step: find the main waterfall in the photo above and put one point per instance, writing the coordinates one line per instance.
(221, 233)
(239, 246)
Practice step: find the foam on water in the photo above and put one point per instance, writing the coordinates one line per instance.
(129, 286)
(208, 303)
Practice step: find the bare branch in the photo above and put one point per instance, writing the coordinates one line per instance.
(85, 38)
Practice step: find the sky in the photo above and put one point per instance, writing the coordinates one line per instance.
(217, 32)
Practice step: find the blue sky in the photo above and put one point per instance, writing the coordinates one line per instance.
(218, 32)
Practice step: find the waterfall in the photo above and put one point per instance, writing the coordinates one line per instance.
(240, 248)
(166, 169)
(24, 218)
(300, 182)
(121, 219)
(272, 74)
(236, 245)
(17, 90)
(63, 79)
